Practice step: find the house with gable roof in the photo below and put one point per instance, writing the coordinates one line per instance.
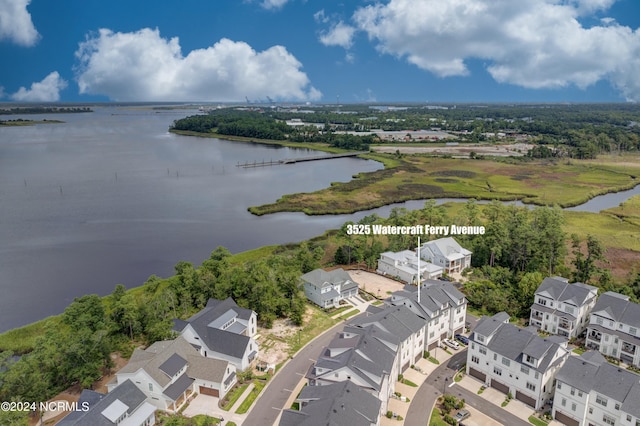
(404, 265)
(515, 360)
(126, 405)
(590, 391)
(442, 306)
(562, 308)
(614, 328)
(327, 288)
(222, 330)
(446, 253)
(169, 372)
(336, 404)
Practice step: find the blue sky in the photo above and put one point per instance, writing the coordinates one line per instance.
(317, 50)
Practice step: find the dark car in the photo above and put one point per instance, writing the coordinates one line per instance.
(462, 339)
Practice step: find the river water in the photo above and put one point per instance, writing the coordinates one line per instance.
(112, 197)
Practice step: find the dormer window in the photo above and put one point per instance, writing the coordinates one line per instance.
(480, 338)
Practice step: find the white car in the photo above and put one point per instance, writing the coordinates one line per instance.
(452, 344)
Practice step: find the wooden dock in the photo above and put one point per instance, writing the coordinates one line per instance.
(263, 163)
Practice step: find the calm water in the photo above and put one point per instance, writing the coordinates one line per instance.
(111, 197)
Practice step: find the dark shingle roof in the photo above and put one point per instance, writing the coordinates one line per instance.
(559, 289)
(172, 365)
(618, 308)
(177, 388)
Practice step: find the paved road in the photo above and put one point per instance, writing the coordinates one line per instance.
(439, 381)
(275, 395)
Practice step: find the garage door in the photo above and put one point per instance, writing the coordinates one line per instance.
(499, 386)
(563, 418)
(209, 391)
(530, 401)
(433, 345)
(477, 374)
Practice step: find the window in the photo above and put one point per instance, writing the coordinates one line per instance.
(482, 350)
(608, 420)
(617, 406)
(559, 385)
(590, 410)
(150, 387)
(542, 302)
(599, 320)
(633, 330)
(495, 357)
(629, 418)
(506, 361)
(564, 402)
(432, 334)
(531, 386)
(601, 400)
(524, 369)
(569, 310)
(573, 391)
(480, 338)
(497, 371)
(580, 394)
(475, 359)
(573, 407)
(473, 346)
(536, 375)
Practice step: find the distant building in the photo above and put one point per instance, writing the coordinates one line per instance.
(404, 266)
(446, 253)
(562, 308)
(515, 360)
(590, 391)
(327, 288)
(337, 404)
(222, 330)
(613, 328)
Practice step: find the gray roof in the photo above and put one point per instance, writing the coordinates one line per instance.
(399, 321)
(488, 325)
(618, 308)
(223, 341)
(435, 295)
(127, 393)
(447, 247)
(172, 365)
(321, 278)
(591, 372)
(513, 342)
(177, 388)
(335, 404)
(559, 289)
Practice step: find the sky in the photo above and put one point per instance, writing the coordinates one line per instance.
(320, 51)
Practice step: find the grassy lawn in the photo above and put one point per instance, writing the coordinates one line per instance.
(258, 385)
(536, 421)
(566, 183)
(319, 322)
(235, 395)
(409, 383)
(22, 340)
(334, 312)
(436, 419)
(579, 351)
(348, 314)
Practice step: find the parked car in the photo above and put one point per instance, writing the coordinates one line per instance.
(462, 339)
(452, 344)
(461, 415)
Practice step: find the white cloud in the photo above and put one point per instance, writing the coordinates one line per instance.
(340, 34)
(47, 90)
(320, 17)
(273, 4)
(530, 43)
(16, 24)
(143, 66)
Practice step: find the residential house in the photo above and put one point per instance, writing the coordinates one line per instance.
(613, 328)
(327, 288)
(590, 391)
(446, 253)
(562, 308)
(441, 305)
(404, 266)
(364, 356)
(515, 360)
(336, 404)
(222, 330)
(169, 372)
(125, 405)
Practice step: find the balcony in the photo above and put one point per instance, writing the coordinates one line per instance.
(628, 348)
(536, 315)
(594, 335)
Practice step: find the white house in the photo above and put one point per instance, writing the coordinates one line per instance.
(169, 372)
(404, 265)
(613, 328)
(590, 391)
(222, 330)
(446, 253)
(327, 288)
(562, 308)
(515, 360)
(441, 305)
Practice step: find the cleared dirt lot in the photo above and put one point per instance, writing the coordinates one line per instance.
(379, 286)
(516, 150)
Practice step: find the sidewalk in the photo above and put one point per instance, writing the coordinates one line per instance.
(205, 404)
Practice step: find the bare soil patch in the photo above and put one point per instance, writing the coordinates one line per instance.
(375, 284)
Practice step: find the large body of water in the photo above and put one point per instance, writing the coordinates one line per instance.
(112, 197)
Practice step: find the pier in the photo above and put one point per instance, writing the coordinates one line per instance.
(263, 163)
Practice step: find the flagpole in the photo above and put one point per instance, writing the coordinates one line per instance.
(419, 270)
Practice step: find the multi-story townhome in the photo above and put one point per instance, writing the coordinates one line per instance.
(407, 327)
(441, 305)
(336, 404)
(404, 265)
(562, 308)
(362, 357)
(515, 360)
(327, 288)
(614, 327)
(447, 253)
(222, 330)
(590, 391)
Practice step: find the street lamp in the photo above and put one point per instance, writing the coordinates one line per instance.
(444, 385)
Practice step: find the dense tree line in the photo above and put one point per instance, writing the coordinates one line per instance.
(78, 349)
